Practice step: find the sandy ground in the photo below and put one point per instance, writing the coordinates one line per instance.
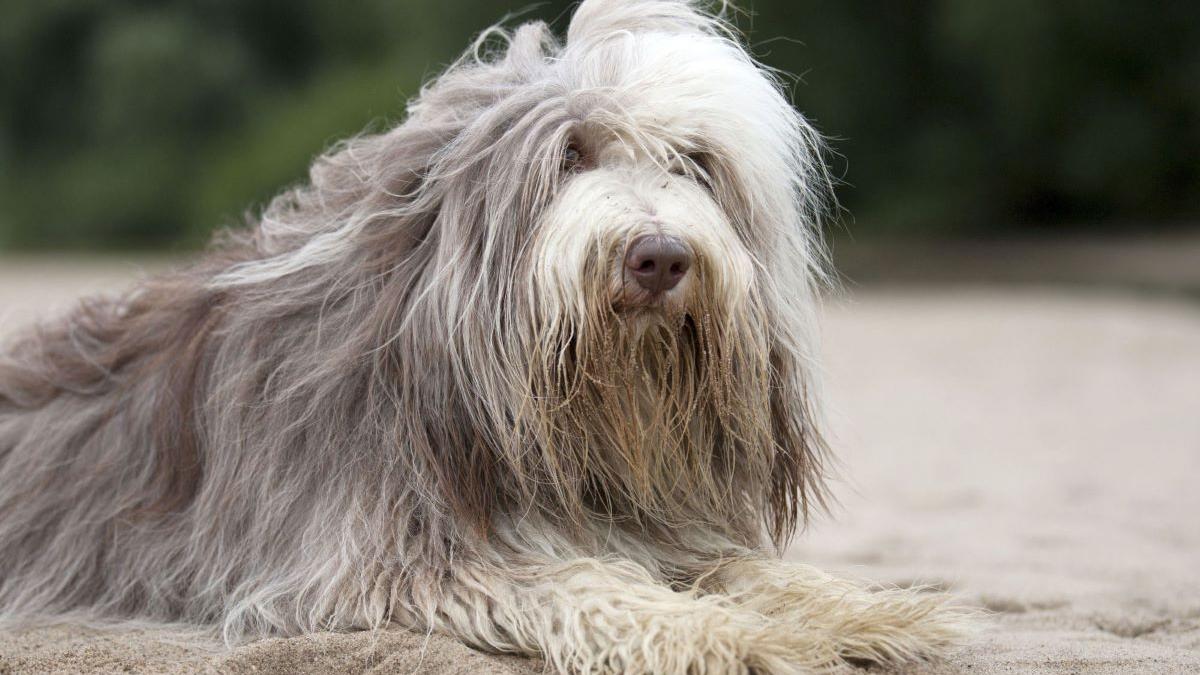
(1035, 451)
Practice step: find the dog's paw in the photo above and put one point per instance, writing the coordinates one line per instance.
(735, 645)
(898, 626)
(889, 627)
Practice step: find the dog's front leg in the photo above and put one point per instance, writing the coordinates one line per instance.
(890, 626)
(594, 616)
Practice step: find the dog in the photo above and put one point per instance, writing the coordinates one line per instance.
(536, 369)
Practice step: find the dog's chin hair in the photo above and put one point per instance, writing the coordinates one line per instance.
(663, 413)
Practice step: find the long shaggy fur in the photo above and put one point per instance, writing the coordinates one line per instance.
(420, 390)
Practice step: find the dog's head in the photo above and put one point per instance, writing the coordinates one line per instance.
(596, 265)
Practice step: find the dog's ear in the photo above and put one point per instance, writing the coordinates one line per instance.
(798, 470)
(598, 19)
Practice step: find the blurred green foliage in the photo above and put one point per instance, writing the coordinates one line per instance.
(129, 123)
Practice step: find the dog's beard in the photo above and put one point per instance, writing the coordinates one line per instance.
(658, 417)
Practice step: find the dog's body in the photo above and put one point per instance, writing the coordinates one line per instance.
(534, 369)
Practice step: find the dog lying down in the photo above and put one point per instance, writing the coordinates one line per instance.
(535, 369)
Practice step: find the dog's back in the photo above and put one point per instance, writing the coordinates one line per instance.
(190, 452)
(97, 443)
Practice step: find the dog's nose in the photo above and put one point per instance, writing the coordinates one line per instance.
(658, 262)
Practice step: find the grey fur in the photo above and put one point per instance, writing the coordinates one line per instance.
(373, 405)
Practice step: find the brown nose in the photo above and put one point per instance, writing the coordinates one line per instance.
(657, 262)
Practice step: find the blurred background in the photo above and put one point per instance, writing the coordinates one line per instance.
(1012, 367)
(127, 124)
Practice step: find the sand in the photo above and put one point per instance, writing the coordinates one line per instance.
(1034, 451)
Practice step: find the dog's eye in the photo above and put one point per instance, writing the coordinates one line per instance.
(571, 158)
(693, 165)
(703, 168)
(687, 164)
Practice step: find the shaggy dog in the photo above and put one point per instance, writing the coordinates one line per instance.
(534, 369)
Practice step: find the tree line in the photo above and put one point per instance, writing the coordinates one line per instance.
(128, 123)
